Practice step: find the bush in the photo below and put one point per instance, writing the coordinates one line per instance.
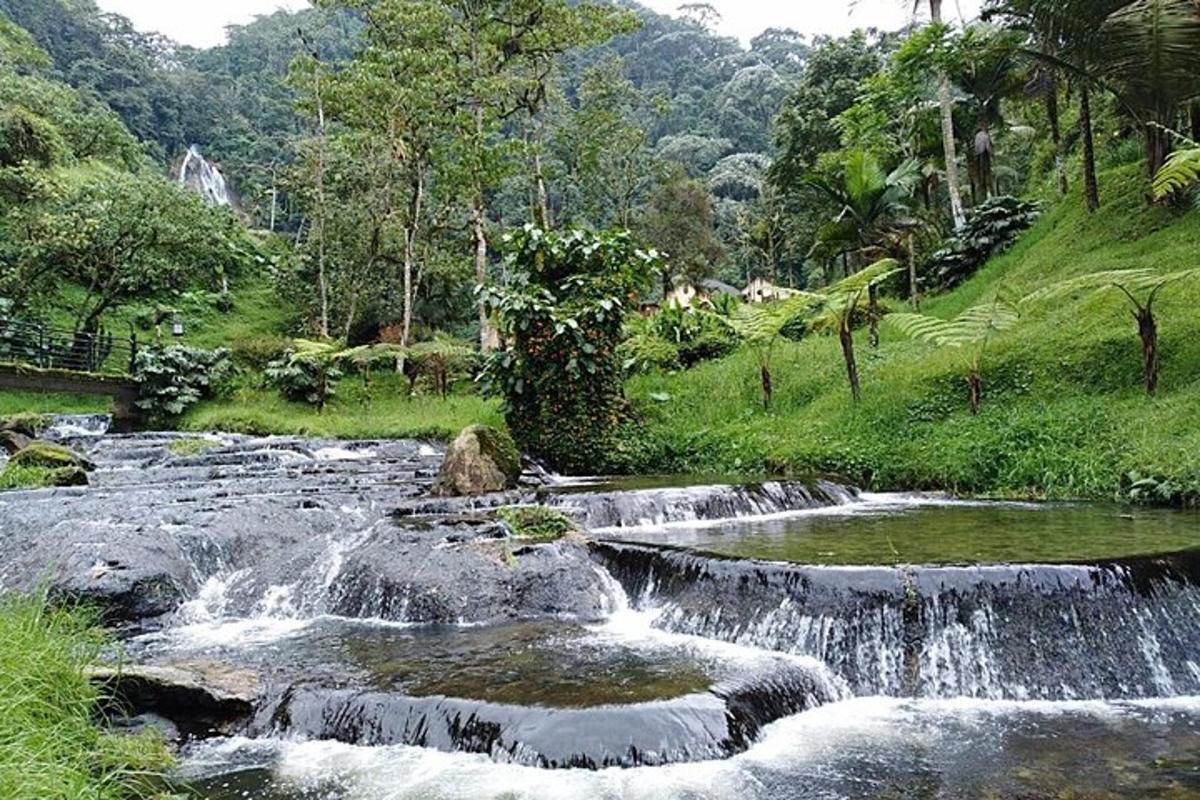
(257, 352)
(699, 335)
(991, 227)
(304, 377)
(644, 352)
(563, 310)
(172, 379)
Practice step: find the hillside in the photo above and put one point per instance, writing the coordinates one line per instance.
(1064, 413)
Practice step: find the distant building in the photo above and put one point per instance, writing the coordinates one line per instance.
(761, 290)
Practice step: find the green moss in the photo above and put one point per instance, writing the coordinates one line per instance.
(16, 476)
(28, 423)
(536, 523)
(499, 447)
(46, 454)
(192, 447)
(52, 745)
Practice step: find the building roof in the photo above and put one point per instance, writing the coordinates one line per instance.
(714, 285)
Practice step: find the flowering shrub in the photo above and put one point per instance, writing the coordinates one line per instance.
(560, 315)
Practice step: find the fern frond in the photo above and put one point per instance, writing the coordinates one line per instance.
(1181, 171)
(1129, 280)
(763, 322)
(876, 273)
(973, 326)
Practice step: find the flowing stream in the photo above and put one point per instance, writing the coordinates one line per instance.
(751, 640)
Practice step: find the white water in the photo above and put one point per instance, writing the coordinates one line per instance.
(202, 176)
(829, 753)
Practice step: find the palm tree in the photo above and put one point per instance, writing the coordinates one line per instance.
(873, 219)
(970, 332)
(761, 327)
(1152, 58)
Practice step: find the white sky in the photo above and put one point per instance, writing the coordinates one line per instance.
(202, 23)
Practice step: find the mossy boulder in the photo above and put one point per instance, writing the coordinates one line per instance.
(49, 456)
(536, 523)
(15, 476)
(28, 425)
(480, 460)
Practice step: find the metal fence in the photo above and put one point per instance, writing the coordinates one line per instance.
(35, 344)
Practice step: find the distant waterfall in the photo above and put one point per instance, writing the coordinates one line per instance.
(202, 176)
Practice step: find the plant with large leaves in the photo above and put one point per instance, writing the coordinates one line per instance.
(840, 303)
(761, 327)
(1141, 287)
(970, 332)
(1181, 171)
(1152, 59)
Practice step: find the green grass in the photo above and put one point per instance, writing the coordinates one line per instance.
(17, 476)
(1064, 414)
(38, 403)
(50, 746)
(192, 447)
(536, 523)
(380, 410)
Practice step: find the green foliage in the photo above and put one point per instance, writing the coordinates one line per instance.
(644, 351)
(172, 379)
(991, 228)
(562, 313)
(1181, 171)
(381, 409)
(536, 523)
(52, 745)
(18, 476)
(308, 372)
(29, 423)
(698, 335)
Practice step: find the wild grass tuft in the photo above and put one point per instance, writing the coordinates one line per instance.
(50, 745)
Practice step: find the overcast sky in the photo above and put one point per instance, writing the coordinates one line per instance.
(202, 23)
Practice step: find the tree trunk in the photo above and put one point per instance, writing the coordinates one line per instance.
(1148, 331)
(948, 145)
(1195, 118)
(975, 389)
(1158, 147)
(410, 247)
(1092, 189)
(873, 314)
(1060, 160)
(489, 339)
(847, 337)
(914, 291)
(766, 387)
(319, 223)
(543, 196)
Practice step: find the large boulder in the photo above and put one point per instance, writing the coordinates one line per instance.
(481, 460)
(49, 456)
(28, 425)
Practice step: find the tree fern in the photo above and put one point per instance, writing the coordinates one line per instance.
(1181, 171)
(1141, 288)
(970, 331)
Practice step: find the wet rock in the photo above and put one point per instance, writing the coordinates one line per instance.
(198, 697)
(14, 441)
(28, 425)
(481, 460)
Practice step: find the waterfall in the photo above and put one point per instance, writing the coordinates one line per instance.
(1119, 630)
(203, 177)
(606, 511)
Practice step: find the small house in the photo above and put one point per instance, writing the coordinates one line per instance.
(761, 290)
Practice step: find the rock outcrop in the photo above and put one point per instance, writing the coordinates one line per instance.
(480, 461)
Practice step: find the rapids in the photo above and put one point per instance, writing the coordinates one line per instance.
(769, 640)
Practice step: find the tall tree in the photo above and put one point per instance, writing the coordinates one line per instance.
(946, 106)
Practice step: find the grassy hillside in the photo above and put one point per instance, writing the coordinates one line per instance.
(1064, 413)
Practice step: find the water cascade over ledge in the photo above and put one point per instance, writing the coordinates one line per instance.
(1125, 629)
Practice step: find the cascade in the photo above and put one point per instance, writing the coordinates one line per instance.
(197, 173)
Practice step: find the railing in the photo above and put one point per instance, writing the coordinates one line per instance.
(35, 344)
